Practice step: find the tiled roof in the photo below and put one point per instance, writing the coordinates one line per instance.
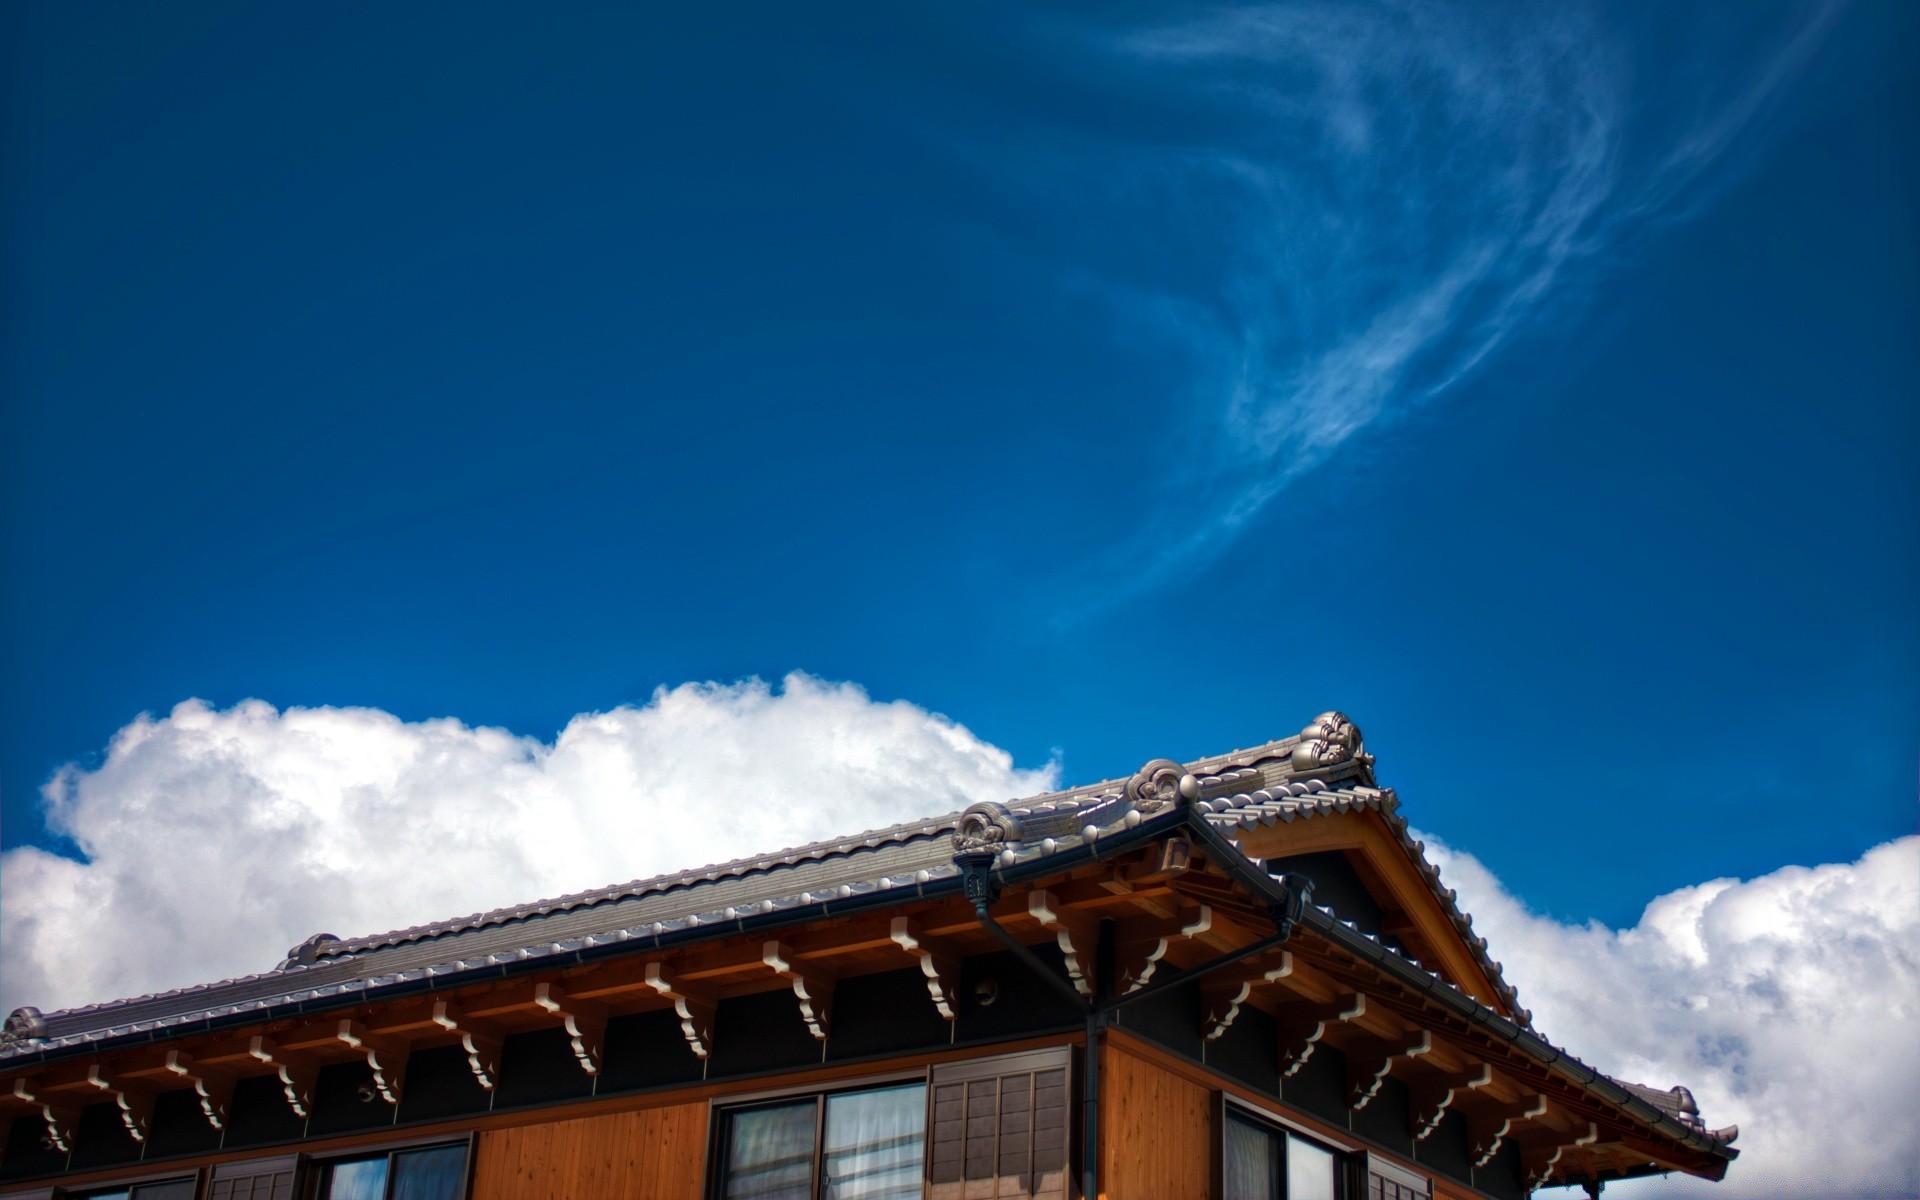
(1319, 772)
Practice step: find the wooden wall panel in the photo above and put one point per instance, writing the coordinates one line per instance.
(651, 1154)
(1156, 1131)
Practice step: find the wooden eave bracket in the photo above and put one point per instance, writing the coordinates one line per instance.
(132, 1099)
(584, 1020)
(694, 1006)
(1224, 992)
(1435, 1094)
(939, 965)
(481, 1039)
(1300, 1027)
(1144, 946)
(1370, 1059)
(1487, 1131)
(212, 1086)
(1075, 933)
(296, 1073)
(811, 986)
(387, 1057)
(60, 1112)
(1539, 1161)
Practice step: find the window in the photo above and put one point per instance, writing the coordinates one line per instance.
(1260, 1161)
(415, 1173)
(864, 1145)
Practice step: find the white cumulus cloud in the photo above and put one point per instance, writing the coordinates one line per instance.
(1788, 1004)
(214, 840)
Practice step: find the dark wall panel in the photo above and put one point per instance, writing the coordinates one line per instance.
(440, 1083)
(102, 1140)
(1170, 1018)
(1335, 884)
(344, 1099)
(646, 1050)
(1248, 1051)
(761, 1032)
(1023, 1003)
(1320, 1086)
(261, 1114)
(1386, 1118)
(1504, 1176)
(884, 1013)
(539, 1068)
(1445, 1149)
(180, 1125)
(28, 1151)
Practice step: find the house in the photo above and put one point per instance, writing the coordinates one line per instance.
(1235, 978)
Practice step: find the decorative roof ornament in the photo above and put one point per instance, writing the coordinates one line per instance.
(24, 1025)
(1160, 784)
(985, 826)
(308, 952)
(1329, 740)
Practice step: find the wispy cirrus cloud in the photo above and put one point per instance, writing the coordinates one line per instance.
(1404, 190)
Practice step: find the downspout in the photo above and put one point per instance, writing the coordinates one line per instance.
(976, 874)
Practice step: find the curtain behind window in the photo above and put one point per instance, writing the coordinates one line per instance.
(1250, 1162)
(875, 1144)
(433, 1174)
(363, 1180)
(770, 1153)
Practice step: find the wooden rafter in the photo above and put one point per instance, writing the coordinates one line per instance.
(387, 1055)
(1073, 931)
(1369, 1059)
(479, 1037)
(584, 1020)
(938, 964)
(1143, 944)
(694, 1006)
(212, 1086)
(295, 1070)
(1224, 992)
(1434, 1094)
(1301, 1026)
(1486, 1131)
(812, 986)
(60, 1112)
(132, 1098)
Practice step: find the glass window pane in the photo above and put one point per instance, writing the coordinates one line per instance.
(876, 1143)
(363, 1180)
(770, 1153)
(1248, 1162)
(1310, 1173)
(172, 1189)
(432, 1174)
(119, 1195)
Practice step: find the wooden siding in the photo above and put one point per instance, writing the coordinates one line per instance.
(650, 1154)
(1156, 1131)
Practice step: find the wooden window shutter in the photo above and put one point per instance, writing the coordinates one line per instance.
(999, 1128)
(256, 1179)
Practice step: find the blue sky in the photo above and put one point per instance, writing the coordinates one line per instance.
(1537, 387)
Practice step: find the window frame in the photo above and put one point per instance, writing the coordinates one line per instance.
(312, 1169)
(720, 1111)
(197, 1174)
(1228, 1107)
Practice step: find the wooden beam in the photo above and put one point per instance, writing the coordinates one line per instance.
(1224, 992)
(1539, 1161)
(938, 964)
(132, 1098)
(1434, 1094)
(692, 1004)
(1075, 933)
(387, 1057)
(1370, 1058)
(584, 1020)
(213, 1086)
(1141, 946)
(295, 1070)
(60, 1112)
(1488, 1130)
(480, 1038)
(812, 986)
(1300, 1027)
